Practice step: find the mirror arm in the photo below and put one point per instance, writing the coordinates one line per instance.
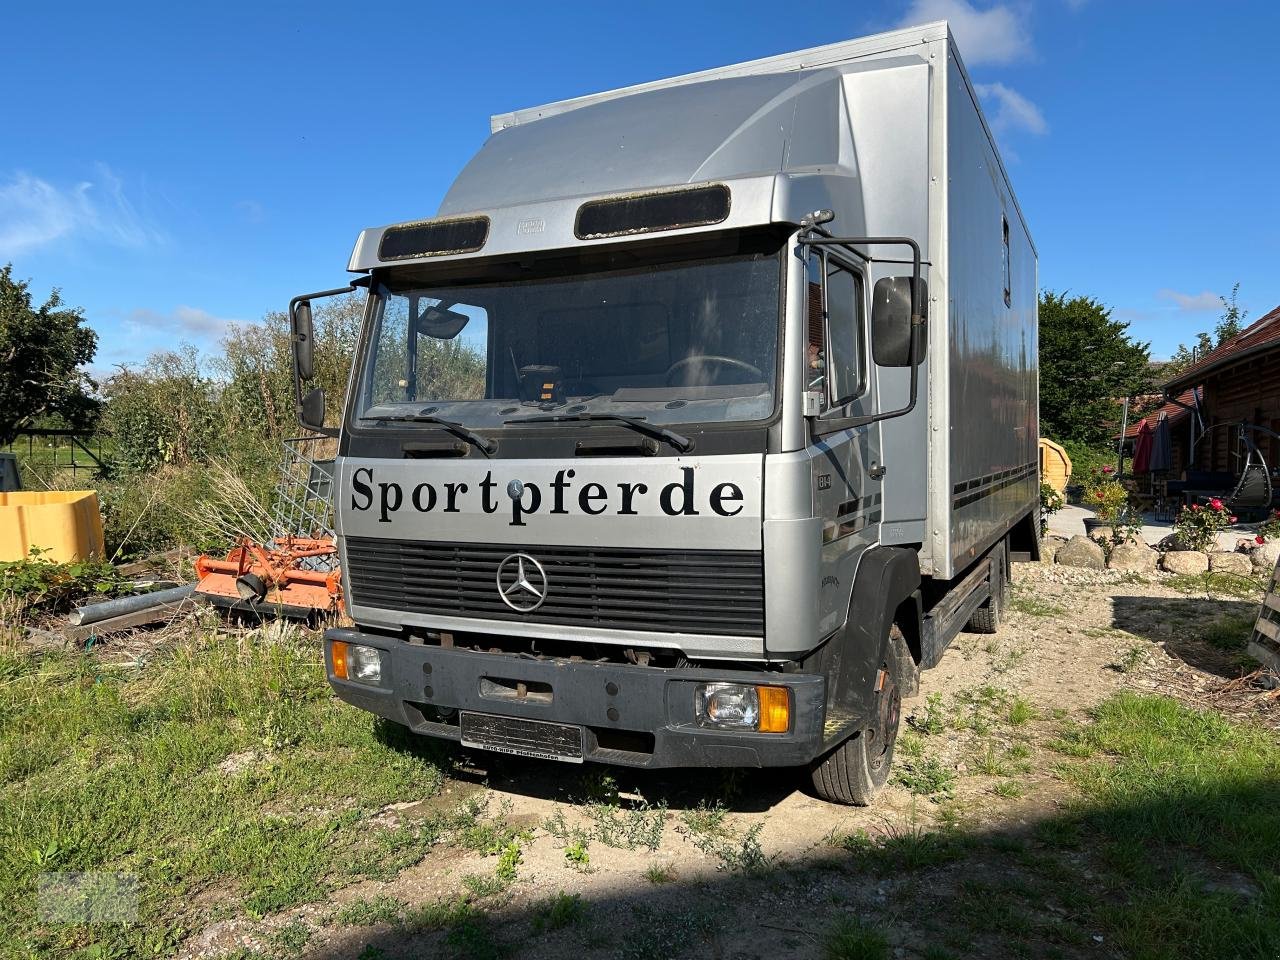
(814, 236)
(295, 337)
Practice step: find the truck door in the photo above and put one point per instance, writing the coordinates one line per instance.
(846, 463)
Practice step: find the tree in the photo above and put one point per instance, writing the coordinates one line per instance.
(1088, 364)
(41, 351)
(1229, 325)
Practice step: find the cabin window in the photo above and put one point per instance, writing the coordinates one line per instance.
(835, 335)
(1007, 271)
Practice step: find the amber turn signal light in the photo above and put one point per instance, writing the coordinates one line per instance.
(775, 709)
(338, 651)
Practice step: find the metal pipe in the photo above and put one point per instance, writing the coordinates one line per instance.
(95, 612)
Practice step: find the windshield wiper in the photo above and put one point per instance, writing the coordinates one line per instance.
(680, 442)
(483, 444)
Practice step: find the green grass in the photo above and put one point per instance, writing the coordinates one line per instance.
(108, 767)
(1033, 606)
(1178, 800)
(660, 873)
(559, 911)
(854, 939)
(1218, 584)
(1231, 632)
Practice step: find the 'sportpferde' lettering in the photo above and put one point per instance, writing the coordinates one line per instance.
(680, 497)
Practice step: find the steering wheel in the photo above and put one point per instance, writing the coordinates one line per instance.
(707, 358)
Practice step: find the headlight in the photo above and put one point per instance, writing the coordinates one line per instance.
(739, 706)
(356, 662)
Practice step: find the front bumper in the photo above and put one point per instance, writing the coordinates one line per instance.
(632, 715)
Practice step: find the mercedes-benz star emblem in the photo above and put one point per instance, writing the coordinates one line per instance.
(522, 583)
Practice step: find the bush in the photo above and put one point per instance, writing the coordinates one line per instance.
(1197, 526)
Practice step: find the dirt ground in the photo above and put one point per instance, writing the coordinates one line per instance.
(747, 864)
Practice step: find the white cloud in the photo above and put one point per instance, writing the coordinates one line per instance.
(998, 34)
(1192, 302)
(181, 320)
(35, 212)
(1012, 110)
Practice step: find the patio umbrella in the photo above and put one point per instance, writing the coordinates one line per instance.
(1161, 446)
(1142, 449)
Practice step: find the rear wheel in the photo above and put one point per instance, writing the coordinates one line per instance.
(854, 772)
(987, 618)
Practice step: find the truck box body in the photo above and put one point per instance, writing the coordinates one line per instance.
(737, 223)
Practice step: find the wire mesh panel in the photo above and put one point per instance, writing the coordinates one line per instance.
(304, 495)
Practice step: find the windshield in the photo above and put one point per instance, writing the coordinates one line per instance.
(672, 342)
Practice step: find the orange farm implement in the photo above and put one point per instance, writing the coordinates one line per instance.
(289, 576)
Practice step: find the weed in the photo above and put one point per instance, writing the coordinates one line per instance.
(1008, 789)
(368, 911)
(664, 933)
(910, 743)
(576, 855)
(1131, 659)
(1229, 633)
(706, 819)
(508, 860)
(481, 887)
(854, 939)
(933, 721)
(559, 911)
(926, 777)
(1020, 712)
(437, 915)
(640, 825)
(472, 937)
(291, 938)
(707, 830)
(660, 873)
(1033, 606)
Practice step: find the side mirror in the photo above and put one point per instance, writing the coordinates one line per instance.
(303, 342)
(891, 321)
(312, 412)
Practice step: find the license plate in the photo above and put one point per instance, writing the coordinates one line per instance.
(521, 737)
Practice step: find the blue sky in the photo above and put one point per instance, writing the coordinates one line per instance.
(175, 167)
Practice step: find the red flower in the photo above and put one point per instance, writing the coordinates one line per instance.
(1259, 539)
(1108, 470)
(1195, 506)
(1215, 503)
(1234, 519)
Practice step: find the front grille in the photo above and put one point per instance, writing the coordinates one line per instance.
(673, 591)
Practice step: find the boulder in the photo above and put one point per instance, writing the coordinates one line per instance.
(1133, 557)
(1185, 561)
(1264, 557)
(1171, 542)
(1049, 547)
(1237, 563)
(1102, 534)
(1082, 552)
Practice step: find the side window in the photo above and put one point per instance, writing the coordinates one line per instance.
(1007, 271)
(835, 338)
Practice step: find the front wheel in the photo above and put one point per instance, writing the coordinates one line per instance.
(855, 771)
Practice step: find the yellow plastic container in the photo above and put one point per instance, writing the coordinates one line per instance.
(67, 523)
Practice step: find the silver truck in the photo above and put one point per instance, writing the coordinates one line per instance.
(697, 422)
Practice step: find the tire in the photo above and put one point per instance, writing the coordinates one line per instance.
(988, 617)
(857, 770)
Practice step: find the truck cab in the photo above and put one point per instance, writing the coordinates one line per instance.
(647, 455)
